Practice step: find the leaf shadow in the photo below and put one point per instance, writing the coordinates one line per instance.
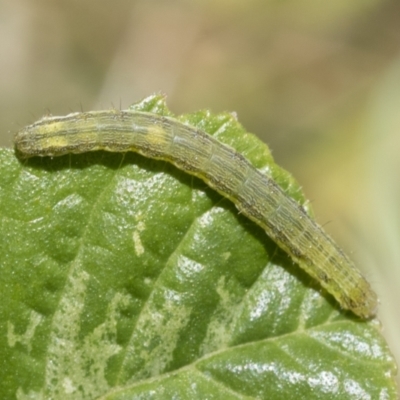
(116, 161)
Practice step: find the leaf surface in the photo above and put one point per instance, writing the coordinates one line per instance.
(124, 278)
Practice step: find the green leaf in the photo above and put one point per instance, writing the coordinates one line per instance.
(124, 278)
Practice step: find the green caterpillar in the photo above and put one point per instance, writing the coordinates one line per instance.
(255, 194)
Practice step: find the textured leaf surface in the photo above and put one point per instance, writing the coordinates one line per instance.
(124, 278)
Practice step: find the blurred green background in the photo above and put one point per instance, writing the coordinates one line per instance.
(318, 81)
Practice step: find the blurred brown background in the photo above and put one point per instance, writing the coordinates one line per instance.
(318, 81)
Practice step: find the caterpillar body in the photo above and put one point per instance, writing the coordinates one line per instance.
(192, 150)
